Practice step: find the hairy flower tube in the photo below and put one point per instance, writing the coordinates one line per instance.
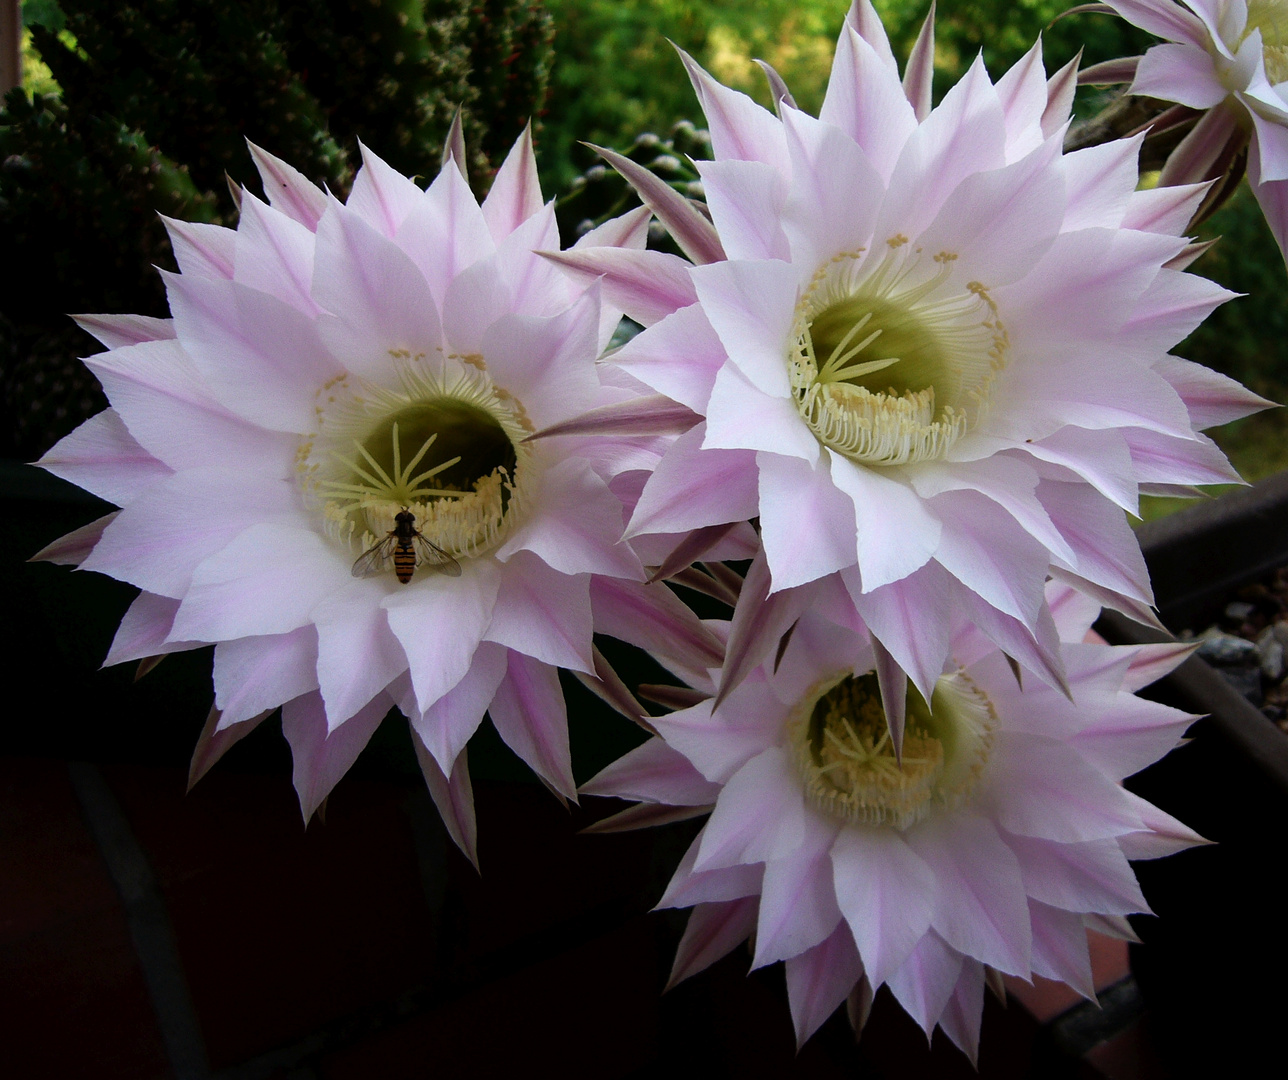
(1228, 59)
(923, 346)
(995, 841)
(323, 465)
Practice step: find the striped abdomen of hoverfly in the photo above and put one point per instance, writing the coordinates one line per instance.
(404, 559)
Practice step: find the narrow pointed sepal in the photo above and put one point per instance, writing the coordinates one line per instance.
(714, 930)
(691, 549)
(893, 682)
(777, 87)
(74, 548)
(652, 414)
(696, 235)
(453, 796)
(919, 73)
(213, 744)
(643, 816)
(454, 144)
(858, 1007)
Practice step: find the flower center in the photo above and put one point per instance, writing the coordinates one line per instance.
(1271, 18)
(893, 362)
(842, 748)
(446, 445)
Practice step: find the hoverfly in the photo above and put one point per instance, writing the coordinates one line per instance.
(405, 548)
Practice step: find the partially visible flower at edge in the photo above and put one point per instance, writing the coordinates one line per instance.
(330, 369)
(927, 349)
(1227, 59)
(1002, 836)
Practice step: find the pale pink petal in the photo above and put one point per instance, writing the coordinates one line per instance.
(759, 816)
(288, 190)
(575, 525)
(157, 391)
(1179, 73)
(912, 618)
(692, 488)
(988, 552)
(797, 902)
(926, 980)
(358, 655)
(266, 581)
(961, 1017)
(884, 890)
(760, 620)
(654, 618)
(1129, 734)
(1165, 20)
(806, 522)
(1022, 92)
(529, 714)
(1060, 948)
(835, 191)
(1151, 662)
(260, 357)
(538, 287)
(1102, 458)
(897, 532)
(447, 725)
(258, 673)
(978, 894)
(516, 192)
(1073, 612)
(116, 331)
(751, 305)
(1164, 836)
(647, 285)
(161, 537)
(320, 759)
(1171, 308)
(1108, 552)
(739, 127)
(104, 458)
(454, 798)
(1164, 210)
(820, 979)
(712, 932)
(381, 195)
(546, 362)
(1060, 90)
(1161, 459)
(695, 235)
(1210, 397)
(274, 254)
(379, 299)
(1035, 647)
(919, 73)
(213, 744)
(1272, 197)
(628, 230)
(1101, 183)
(688, 887)
(1041, 788)
(202, 251)
(445, 232)
(543, 613)
(740, 416)
(746, 200)
(1008, 481)
(145, 630)
(964, 135)
(678, 356)
(1271, 137)
(74, 548)
(866, 101)
(654, 772)
(440, 621)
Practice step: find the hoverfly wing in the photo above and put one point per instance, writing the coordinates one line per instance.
(430, 555)
(376, 558)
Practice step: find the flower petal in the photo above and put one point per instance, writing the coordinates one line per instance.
(529, 714)
(320, 759)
